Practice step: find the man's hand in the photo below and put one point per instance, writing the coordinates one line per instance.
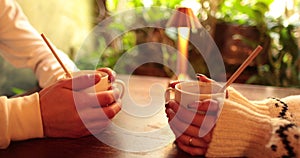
(110, 72)
(68, 112)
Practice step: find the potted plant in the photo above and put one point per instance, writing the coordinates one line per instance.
(283, 64)
(241, 26)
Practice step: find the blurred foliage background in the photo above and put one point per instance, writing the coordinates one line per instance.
(275, 24)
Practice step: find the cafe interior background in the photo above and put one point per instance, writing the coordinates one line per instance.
(237, 27)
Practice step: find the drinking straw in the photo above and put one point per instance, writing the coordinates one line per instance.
(68, 74)
(242, 67)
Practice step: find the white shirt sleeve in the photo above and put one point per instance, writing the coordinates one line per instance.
(23, 47)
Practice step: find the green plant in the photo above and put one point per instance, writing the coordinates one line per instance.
(15, 81)
(128, 38)
(276, 35)
(164, 3)
(246, 13)
(243, 12)
(283, 66)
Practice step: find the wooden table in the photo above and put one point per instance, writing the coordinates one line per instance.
(139, 130)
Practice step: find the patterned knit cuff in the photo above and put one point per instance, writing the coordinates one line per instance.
(278, 108)
(239, 132)
(293, 103)
(285, 140)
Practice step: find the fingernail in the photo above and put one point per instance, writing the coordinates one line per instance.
(167, 104)
(199, 76)
(173, 83)
(168, 111)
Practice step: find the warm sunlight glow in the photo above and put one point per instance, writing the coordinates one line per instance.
(147, 3)
(289, 4)
(193, 4)
(278, 7)
(183, 42)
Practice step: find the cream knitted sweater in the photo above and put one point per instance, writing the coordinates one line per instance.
(268, 128)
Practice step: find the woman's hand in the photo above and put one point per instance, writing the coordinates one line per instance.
(189, 124)
(203, 78)
(68, 112)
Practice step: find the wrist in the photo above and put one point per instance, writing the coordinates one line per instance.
(237, 97)
(273, 107)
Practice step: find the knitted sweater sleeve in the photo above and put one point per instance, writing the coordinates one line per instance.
(273, 107)
(255, 130)
(284, 141)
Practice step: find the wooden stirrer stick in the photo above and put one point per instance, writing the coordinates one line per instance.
(68, 74)
(242, 67)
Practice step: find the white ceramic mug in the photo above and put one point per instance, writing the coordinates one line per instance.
(103, 84)
(189, 92)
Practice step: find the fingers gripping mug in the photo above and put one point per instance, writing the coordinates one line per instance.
(103, 84)
(189, 92)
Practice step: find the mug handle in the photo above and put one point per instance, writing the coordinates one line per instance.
(168, 94)
(122, 85)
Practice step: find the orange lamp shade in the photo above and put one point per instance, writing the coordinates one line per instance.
(184, 17)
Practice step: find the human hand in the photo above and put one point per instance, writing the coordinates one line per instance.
(203, 78)
(68, 112)
(110, 72)
(188, 125)
(200, 78)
